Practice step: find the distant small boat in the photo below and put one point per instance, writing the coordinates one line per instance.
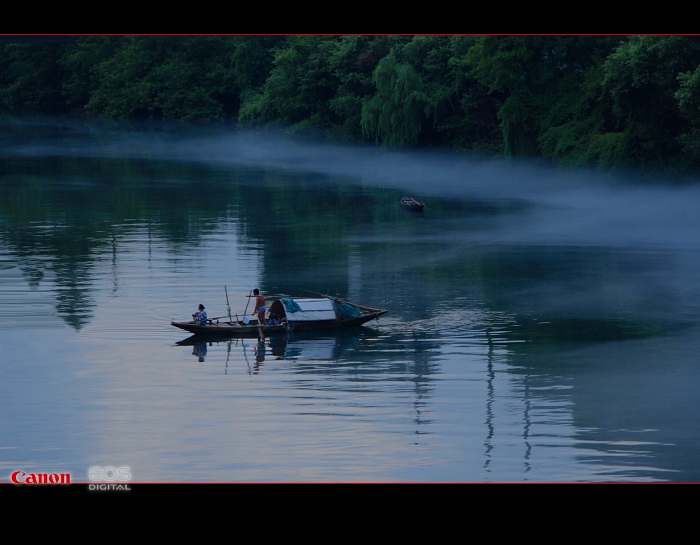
(412, 204)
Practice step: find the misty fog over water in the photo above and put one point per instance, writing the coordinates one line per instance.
(648, 226)
(542, 325)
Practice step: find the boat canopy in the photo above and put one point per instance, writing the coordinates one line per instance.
(304, 310)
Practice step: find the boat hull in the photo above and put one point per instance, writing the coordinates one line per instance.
(252, 329)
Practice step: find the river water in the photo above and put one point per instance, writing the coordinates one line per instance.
(542, 324)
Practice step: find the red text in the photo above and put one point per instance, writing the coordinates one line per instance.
(20, 477)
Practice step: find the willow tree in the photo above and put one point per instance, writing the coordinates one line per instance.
(353, 62)
(394, 115)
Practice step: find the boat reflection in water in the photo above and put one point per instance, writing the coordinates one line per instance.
(302, 346)
(199, 349)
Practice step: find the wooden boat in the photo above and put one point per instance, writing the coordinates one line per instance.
(291, 314)
(412, 204)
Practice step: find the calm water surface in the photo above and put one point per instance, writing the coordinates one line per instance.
(542, 325)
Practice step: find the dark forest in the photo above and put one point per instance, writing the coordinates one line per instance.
(612, 103)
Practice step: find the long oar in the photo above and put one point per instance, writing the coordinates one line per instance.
(245, 312)
(228, 305)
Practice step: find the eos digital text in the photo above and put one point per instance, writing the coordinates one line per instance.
(109, 478)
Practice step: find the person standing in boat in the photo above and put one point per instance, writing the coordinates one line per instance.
(259, 307)
(200, 317)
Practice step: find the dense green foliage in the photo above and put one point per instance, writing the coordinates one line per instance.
(611, 102)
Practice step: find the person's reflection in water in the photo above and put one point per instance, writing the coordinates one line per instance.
(259, 354)
(200, 350)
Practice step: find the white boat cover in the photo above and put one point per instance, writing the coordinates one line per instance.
(312, 310)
